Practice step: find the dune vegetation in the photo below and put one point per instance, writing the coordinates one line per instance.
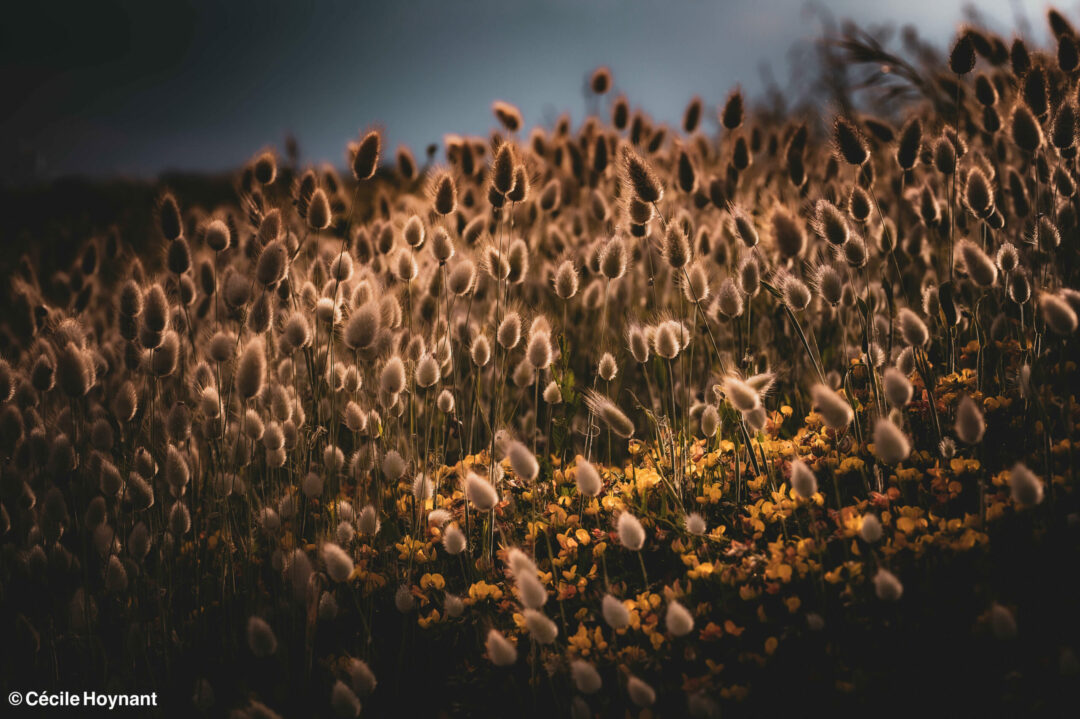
(767, 410)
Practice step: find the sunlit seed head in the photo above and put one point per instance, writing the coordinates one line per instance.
(462, 278)
(509, 332)
(978, 265)
(566, 280)
(912, 328)
(829, 223)
(538, 352)
(444, 194)
(898, 387)
(445, 402)
(392, 376)
(1058, 314)
(640, 177)
(364, 158)
(666, 341)
(502, 170)
(859, 204)
(428, 371)
(849, 143)
(891, 445)
(796, 294)
(480, 351)
(609, 413)
(970, 425)
(630, 532)
(454, 540)
(834, 409)
(479, 492)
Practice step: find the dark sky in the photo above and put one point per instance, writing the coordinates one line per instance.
(135, 87)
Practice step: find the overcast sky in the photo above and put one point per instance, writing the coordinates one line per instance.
(136, 87)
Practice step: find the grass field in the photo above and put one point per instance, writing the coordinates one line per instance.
(768, 411)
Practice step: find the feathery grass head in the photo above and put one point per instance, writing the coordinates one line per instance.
(502, 169)
(640, 693)
(834, 409)
(870, 529)
(787, 232)
(978, 265)
(319, 213)
(678, 620)
(631, 533)
(795, 293)
(169, 219)
(479, 492)
(339, 565)
(587, 478)
(741, 395)
(509, 331)
(1057, 313)
(829, 223)
(609, 413)
(744, 226)
(910, 143)
(522, 461)
(970, 425)
(251, 369)
(849, 143)
(803, 480)
(640, 178)
(962, 55)
(501, 651)
(261, 638)
(507, 114)
(676, 247)
(600, 81)
(613, 259)
(392, 376)
(891, 445)
(364, 158)
(731, 116)
(1026, 488)
(443, 192)
(912, 328)
(887, 586)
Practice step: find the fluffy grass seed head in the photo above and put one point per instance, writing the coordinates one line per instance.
(1026, 488)
(500, 650)
(640, 178)
(742, 396)
(835, 410)
(631, 533)
(970, 425)
(480, 493)
(610, 414)
(339, 565)
(587, 478)
(615, 613)
(887, 586)
(803, 480)
(678, 620)
(365, 156)
(891, 445)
